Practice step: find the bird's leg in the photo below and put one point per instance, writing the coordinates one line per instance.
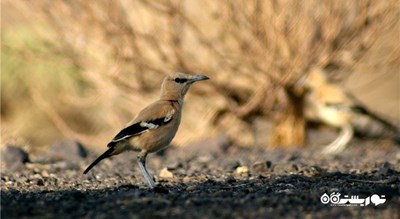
(338, 145)
(141, 159)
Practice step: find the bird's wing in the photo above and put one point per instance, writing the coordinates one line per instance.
(152, 117)
(333, 96)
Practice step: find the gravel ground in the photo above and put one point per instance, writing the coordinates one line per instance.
(203, 181)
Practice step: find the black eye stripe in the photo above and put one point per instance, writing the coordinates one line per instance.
(180, 80)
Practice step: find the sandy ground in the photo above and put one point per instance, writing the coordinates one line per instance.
(209, 183)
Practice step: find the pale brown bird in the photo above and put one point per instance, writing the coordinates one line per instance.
(155, 126)
(332, 105)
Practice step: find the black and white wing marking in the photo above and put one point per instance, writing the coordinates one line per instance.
(140, 128)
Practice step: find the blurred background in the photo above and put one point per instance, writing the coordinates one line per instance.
(80, 69)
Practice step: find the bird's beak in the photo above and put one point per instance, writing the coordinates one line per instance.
(199, 78)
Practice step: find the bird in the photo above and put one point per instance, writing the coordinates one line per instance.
(155, 126)
(330, 104)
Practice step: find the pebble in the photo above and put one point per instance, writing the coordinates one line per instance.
(398, 156)
(186, 179)
(45, 173)
(14, 158)
(242, 169)
(174, 165)
(191, 188)
(230, 179)
(312, 171)
(202, 177)
(232, 165)
(285, 168)
(67, 150)
(262, 166)
(166, 174)
(204, 159)
(39, 182)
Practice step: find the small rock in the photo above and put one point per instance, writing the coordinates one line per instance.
(191, 188)
(262, 166)
(166, 174)
(174, 165)
(398, 156)
(204, 159)
(286, 191)
(384, 169)
(45, 174)
(14, 157)
(285, 168)
(232, 165)
(312, 171)
(39, 182)
(67, 150)
(202, 177)
(230, 179)
(242, 169)
(186, 179)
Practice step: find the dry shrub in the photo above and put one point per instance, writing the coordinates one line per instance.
(252, 50)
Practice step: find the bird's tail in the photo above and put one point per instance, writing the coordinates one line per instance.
(372, 125)
(101, 157)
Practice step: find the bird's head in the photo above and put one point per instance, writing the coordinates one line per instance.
(176, 85)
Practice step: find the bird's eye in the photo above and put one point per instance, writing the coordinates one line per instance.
(180, 80)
